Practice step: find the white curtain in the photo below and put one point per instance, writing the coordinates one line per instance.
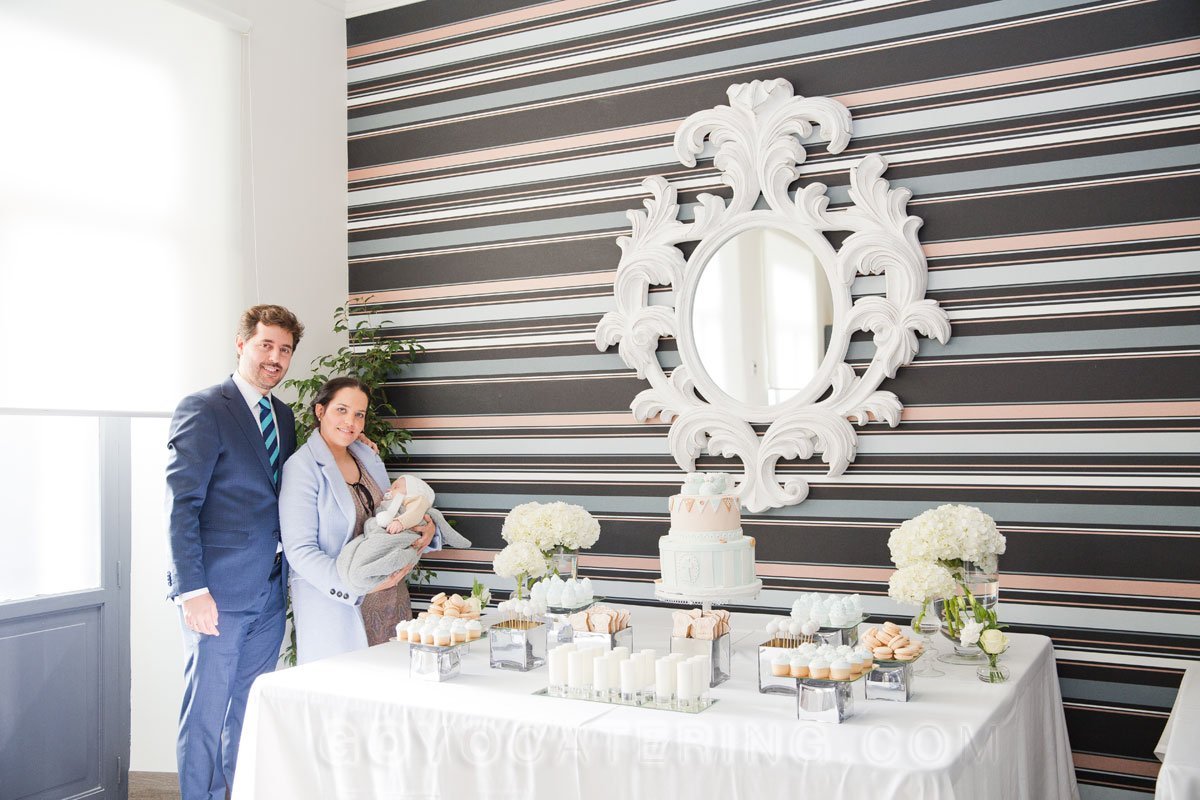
(121, 202)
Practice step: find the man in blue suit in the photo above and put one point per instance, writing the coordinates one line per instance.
(227, 447)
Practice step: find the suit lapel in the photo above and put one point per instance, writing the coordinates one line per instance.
(333, 476)
(236, 405)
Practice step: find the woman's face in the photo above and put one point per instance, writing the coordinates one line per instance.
(342, 420)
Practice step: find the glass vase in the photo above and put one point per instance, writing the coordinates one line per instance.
(564, 563)
(925, 625)
(992, 673)
(976, 586)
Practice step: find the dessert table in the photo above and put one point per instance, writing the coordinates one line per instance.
(1179, 777)
(355, 726)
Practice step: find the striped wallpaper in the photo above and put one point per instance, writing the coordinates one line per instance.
(1052, 149)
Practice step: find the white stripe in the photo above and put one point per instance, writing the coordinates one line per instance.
(539, 67)
(1128, 659)
(1067, 309)
(923, 479)
(509, 341)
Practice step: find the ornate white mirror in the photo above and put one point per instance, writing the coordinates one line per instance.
(764, 308)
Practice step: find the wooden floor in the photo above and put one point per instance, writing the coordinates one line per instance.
(153, 786)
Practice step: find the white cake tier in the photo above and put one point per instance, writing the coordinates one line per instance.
(707, 569)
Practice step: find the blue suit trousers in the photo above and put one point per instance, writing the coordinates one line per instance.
(218, 671)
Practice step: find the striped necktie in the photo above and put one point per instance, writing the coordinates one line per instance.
(266, 422)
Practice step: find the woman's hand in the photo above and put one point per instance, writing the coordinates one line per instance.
(427, 529)
(393, 579)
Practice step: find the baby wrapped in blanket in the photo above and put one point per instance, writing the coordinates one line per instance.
(386, 543)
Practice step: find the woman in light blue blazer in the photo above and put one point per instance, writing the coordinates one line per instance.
(330, 486)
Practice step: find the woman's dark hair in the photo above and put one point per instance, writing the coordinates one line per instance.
(332, 386)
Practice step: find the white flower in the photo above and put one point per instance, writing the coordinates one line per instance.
(970, 633)
(993, 641)
(947, 533)
(551, 525)
(920, 582)
(520, 558)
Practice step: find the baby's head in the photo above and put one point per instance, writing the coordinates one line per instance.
(395, 490)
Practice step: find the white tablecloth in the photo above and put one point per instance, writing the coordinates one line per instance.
(356, 727)
(1179, 748)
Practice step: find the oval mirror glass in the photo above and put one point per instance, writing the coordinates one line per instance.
(763, 316)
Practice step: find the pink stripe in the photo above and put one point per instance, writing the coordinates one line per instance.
(1053, 69)
(1038, 241)
(1037, 583)
(471, 157)
(1121, 766)
(1053, 411)
(487, 287)
(472, 26)
(520, 421)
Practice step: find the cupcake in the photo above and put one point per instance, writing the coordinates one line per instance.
(865, 658)
(442, 637)
(427, 634)
(402, 631)
(458, 631)
(414, 633)
(856, 664)
(474, 630)
(780, 666)
(840, 669)
(799, 667)
(818, 668)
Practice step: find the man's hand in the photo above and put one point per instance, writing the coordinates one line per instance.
(362, 437)
(392, 579)
(200, 614)
(427, 529)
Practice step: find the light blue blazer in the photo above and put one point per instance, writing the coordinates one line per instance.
(316, 517)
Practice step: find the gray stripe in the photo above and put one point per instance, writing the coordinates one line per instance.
(889, 511)
(1118, 693)
(886, 442)
(614, 221)
(786, 50)
(1065, 341)
(1096, 618)
(537, 38)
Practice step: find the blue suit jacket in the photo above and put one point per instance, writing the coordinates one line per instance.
(222, 503)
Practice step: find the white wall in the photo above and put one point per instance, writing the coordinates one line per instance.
(297, 82)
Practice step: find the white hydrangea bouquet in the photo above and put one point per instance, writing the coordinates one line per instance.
(933, 553)
(547, 529)
(521, 561)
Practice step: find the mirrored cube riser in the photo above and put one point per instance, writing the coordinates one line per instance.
(719, 651)
(824, 702)
(517, 649)
(426, 665)
(603, 641)
(889, 683)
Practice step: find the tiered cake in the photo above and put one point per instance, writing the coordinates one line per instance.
(705, 556)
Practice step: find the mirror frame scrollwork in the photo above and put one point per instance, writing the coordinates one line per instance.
(757, 142)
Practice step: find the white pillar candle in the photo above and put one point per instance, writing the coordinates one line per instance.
(628, 676)
(614, 669)
(664, 679)
(558, 666)
(703, 671)
(579, 669)
(649, 651)
(621, 652)
(685, 681)
(600, 680)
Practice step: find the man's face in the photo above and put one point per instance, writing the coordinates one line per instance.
(263, 359)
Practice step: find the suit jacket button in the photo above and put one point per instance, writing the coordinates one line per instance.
(333, 591)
